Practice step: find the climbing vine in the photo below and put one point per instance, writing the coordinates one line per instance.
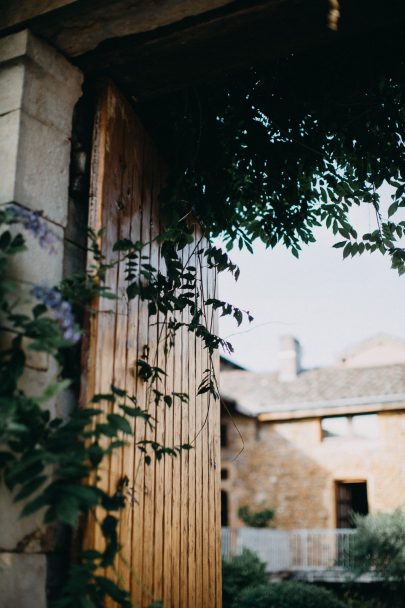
(50, 463)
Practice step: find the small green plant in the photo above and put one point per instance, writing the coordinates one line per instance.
(239, 572)
(256, 519)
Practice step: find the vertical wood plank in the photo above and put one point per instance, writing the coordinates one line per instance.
(158, 547)
(192, 566)
(199, 507)
(216, 439)
(131, 344)
(184, 456)
(205, 452)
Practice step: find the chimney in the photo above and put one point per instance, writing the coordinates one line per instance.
(289, 359)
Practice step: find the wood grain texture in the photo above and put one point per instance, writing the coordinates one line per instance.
(170, 528)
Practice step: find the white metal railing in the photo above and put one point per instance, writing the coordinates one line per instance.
(295, 550)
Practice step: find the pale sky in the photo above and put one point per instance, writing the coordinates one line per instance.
(326, 302)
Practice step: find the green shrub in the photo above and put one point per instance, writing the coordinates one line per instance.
(379, 545)
(240, 572)
(360, 602)
(286, 595)
(256, 519)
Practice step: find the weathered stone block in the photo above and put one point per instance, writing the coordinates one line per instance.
(39, 89)
(42, 175)
(22, 580)
(36, 157)
(11, 87)
(16, 531)
(9, 132)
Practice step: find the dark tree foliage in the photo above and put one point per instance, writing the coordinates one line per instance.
(278, 150)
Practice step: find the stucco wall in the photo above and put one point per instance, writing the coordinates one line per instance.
(287, 466)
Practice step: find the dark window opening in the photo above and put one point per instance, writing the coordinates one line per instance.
(224, 435)
(224, 508)
(224, 473)
(351, 498)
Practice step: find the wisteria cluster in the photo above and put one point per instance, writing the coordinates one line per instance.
(62, 311)
(34, 223)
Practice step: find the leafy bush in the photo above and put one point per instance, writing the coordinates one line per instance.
(361, 602)
(257, 519)
(240, 572)
(379, 545)
(245, 585)
(286, 595)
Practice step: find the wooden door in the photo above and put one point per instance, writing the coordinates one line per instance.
(170, 528)
(351, 498)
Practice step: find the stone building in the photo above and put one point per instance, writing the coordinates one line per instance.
(316, 444)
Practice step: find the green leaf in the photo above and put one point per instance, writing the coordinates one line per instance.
(66, 511)
(238, 316)
(123, 245)
(347, 250)
(120, 423)
(30, 487)
(103, 397)
(168, 400)
(5, 240)
(392, 209)
(118, 391)
(53, 390)
(84, 493)
(110, 588)
(34, 505)
(133, 290)
(39, 310)
(91, 554)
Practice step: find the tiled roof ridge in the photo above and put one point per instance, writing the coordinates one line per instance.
(335, 368)
(317, 387)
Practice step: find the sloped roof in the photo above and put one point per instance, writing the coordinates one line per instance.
(259, 393)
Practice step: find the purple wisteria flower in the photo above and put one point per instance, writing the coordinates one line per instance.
(62, 311)
(34, 223)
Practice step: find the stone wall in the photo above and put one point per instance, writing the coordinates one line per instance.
(38, 92)
(287, 466)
